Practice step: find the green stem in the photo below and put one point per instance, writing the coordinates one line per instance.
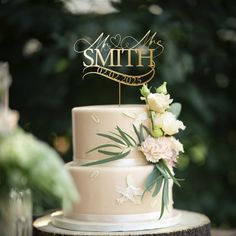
(165, 167)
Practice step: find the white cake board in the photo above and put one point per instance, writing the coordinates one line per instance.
(189, 223)
(65, 223)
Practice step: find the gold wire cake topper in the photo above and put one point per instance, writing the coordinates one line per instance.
(109, 56)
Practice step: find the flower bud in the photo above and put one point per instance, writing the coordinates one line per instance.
(145, 91)
(156, 132)
(162, 89)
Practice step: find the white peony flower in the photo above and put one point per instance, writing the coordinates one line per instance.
(155, 149)
(176, 145)
(159, 102)
(168, 122)
(163, 148)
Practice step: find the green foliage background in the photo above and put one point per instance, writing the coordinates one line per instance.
(198, 63)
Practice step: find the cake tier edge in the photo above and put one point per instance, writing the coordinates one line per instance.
(107, 191)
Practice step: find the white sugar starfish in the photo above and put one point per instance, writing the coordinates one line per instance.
(130, 193)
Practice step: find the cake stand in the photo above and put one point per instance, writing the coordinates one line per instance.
(190, 224)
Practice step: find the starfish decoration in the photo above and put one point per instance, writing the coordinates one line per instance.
(130, 193)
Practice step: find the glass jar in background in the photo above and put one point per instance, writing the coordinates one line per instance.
(16, 213)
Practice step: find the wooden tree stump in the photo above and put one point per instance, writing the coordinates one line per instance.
(191, 224)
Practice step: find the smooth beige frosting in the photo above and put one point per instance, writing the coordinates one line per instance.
(104, 191)
(89, 120)
(115, 188)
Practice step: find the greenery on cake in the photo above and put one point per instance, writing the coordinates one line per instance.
(156, 141)
(161, 147)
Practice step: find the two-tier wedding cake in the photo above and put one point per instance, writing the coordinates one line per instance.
(123, 165)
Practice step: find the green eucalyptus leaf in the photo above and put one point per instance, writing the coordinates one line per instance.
(117, 135)
(162, 201)
(113, 158)
(146, 129)
(151, 178)
(137, 134)
(162, 170)
(166, 193)
(133, 140)
(164, 198)
(158, 186)
(117, 140)
(109, 153)
(141, 134)
(180, 179)
(104, 146)
(126, 140)
(175, 108)
(170, 174)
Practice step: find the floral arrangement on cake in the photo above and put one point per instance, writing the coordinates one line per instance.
(25, 161)
(155, 140)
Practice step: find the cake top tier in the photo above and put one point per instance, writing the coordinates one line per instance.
(88, 121)
(111, 108)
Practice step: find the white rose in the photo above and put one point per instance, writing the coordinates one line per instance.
(168, 122)
(159, 102)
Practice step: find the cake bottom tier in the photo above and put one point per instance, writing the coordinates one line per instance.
(114, 194)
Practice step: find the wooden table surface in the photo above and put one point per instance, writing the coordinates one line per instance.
(214, 231)
(219, 232)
